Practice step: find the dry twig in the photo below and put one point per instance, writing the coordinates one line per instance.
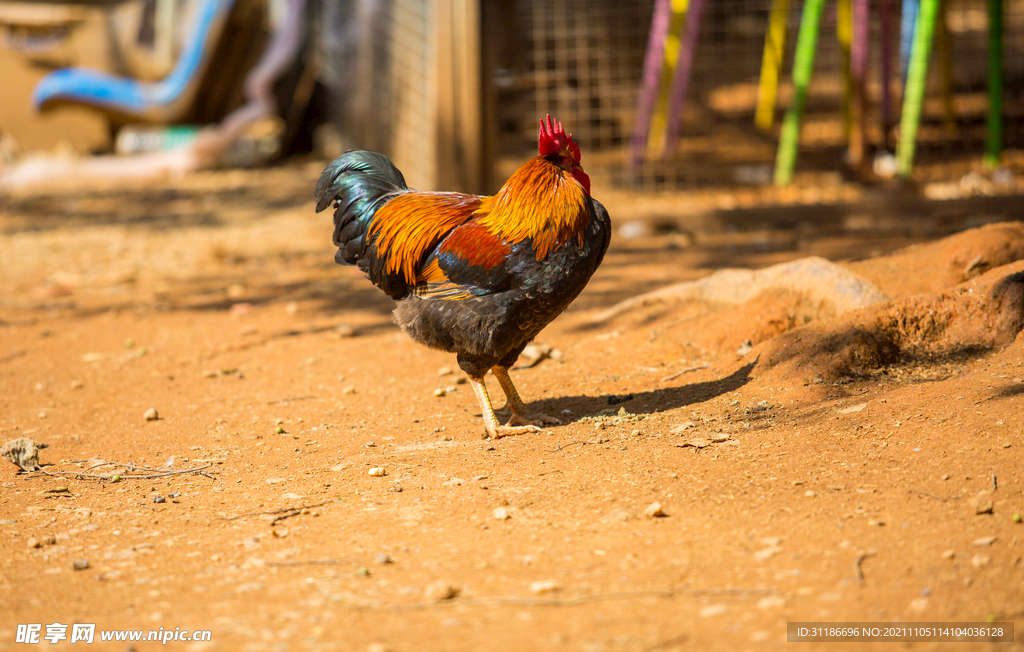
(278, 514)
(311, 562)
(684, 371)
(560, 447)
(856, 567)
(127, 475)
(561, 602)
(289, 400)
(925, 493)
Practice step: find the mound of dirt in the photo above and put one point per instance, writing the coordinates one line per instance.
(950, 261)
(845, 312)
(833, 289)
(981, 314)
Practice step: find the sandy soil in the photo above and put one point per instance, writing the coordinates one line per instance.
(812, 464)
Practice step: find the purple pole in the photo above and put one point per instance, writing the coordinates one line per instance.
(649, 89)
(858, 70)
(886, 24)
(681, 78)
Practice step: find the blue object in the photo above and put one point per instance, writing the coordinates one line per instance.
(908, 23)
(154, 100)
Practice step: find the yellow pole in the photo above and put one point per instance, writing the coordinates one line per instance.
(659, 121)
(771, 63)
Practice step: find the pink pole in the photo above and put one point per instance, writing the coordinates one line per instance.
(858, 71)
(653, 60)
(886, 24)
(681, 78)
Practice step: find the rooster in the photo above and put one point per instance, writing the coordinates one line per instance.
(471, 275)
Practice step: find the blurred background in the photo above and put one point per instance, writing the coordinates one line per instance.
(663, 96)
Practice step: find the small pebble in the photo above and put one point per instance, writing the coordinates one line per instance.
(349, 389)
(151, 415)
(440, 590)
(345, 330)
(382, 558)
(619, 515)
(654, 510)
(80, 564)
(980, 560)
(501, 514)
(159, 499)
(444, 371)
(982, 503)
(440, 391)
(771, 602)
(949, 554)
(712, 610)
(377, 471)
(34, 543)
(984, 541)
(174, 494)
(544, 586)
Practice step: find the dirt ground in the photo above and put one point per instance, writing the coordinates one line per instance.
(811, 464)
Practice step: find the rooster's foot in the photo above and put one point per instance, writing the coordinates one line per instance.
(504, 431)
(538, 419)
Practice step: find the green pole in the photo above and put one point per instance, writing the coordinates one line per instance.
(803, 63)
(995, 83)
(913, 95)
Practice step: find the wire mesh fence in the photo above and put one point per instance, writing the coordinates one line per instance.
(582, 61)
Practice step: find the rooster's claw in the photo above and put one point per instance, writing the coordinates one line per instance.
(533, 420)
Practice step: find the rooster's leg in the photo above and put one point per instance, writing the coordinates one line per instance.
(520, 416)
(490, 421)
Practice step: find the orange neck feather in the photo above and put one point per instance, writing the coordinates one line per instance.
(541, 201)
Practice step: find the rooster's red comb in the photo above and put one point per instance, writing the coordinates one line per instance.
(554, 140)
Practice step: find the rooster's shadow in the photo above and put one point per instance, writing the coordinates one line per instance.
(649, 402)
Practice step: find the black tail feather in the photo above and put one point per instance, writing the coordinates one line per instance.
(358, 183)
